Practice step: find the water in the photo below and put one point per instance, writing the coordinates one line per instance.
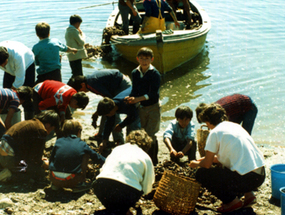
(243, 54)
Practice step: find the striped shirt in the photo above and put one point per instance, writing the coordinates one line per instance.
(9, 99)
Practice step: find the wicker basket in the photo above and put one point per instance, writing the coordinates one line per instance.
(202, 135)
(176, 194)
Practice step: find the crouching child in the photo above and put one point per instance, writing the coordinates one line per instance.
(179, 135)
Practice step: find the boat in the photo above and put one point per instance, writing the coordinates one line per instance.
(172, 47)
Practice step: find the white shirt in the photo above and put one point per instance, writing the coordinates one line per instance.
(234, 148)
(130, 165)
(20, 58)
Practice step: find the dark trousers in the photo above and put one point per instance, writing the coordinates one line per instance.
(8, 80)
(226, 184)
(116, 196)
(76, 67)
(179, 145)
(53, 75)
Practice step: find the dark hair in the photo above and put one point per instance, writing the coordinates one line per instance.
(141, 138)
(199, 109)
(25, 93)
(75, 82)
(4, 55)
(145, 51)
(71, 127)
(82, 99)
(49, 116)
(74, 19)
(42, 29)
(105, 106)
(213, 113)
(183, 112)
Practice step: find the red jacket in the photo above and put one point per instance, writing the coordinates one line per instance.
(54, 93)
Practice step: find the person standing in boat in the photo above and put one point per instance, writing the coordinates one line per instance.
(127, 7)
(239, 108)
(154, 16)
(186, 12)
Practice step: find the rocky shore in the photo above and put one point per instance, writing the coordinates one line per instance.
(32, 198)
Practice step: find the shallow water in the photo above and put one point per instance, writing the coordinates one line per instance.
(243, 54)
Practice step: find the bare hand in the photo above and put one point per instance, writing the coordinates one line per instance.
(173, 153)
(130, 100)
(102, 146)
(45, 164)
(194, 164)
(135, 12)
(177, 24)
(180, 155)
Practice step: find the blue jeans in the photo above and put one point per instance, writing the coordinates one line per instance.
(125, 11)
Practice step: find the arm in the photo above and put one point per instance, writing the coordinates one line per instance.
(167, 142)
(172, 14)
(9, 117)
(129, 4)
(148, 178)
(19, 72)
(185, 149)
(73, 50)
(205, 162)
(96, 158)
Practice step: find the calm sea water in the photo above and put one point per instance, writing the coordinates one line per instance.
(244, 53)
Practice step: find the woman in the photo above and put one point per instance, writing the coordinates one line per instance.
(241, 168)
(128, 173)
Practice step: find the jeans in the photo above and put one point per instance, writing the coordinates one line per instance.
(125, 11)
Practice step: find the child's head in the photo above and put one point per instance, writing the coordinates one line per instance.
(49, 117)
(71, 127)
(141, 138)
(4, 55)
(183, 115)
(79, 100)
(145, 58)
(106, 107)
(75, 19)
(213, 114)
(25, 93)
(42, 30)
(78, 83)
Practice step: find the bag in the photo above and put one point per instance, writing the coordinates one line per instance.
(176, 194)
(201, 139)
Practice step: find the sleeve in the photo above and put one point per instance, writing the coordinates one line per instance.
(14, 103)
(134, 91)
(212, 144)
(147, 7)
(45, 104)
(166, 6)
(36, 152)
(79, 38)
(62, 47)
(96, 158)
(20, 71)
(154, 85)
(169, 131)
(148, 178)
(34, 50)
(109, 125)
(190, 131)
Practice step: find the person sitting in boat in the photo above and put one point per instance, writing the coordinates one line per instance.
(127, 7)
(240, 168)
(239, 108)
(186, 11)
(154, 16)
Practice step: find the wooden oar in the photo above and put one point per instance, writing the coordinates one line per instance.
(97, 5)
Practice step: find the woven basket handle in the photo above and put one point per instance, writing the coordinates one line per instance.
(204, 126)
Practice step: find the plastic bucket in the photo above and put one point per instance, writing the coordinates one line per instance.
(282, 202)
(277, 179)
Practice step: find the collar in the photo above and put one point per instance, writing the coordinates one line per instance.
(151, 67)
(71, 26)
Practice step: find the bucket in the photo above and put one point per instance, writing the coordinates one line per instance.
(282, 202)
(277, 179)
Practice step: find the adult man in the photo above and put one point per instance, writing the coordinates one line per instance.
(186, 11)
(17, 60)
(239, 108)
(127, 7)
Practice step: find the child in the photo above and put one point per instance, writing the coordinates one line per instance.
(57, 95)
(179, 135)
(75, 38)
(10, 100)
(126, 175)
(26, 141)
(146, 83)
(69, 159)
(109, 107)
(47, 55)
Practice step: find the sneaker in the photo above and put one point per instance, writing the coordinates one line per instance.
(5, 174)
(81, 187)
(97, 136)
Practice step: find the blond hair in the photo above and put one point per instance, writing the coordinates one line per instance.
(141, 138)
(71, 127)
